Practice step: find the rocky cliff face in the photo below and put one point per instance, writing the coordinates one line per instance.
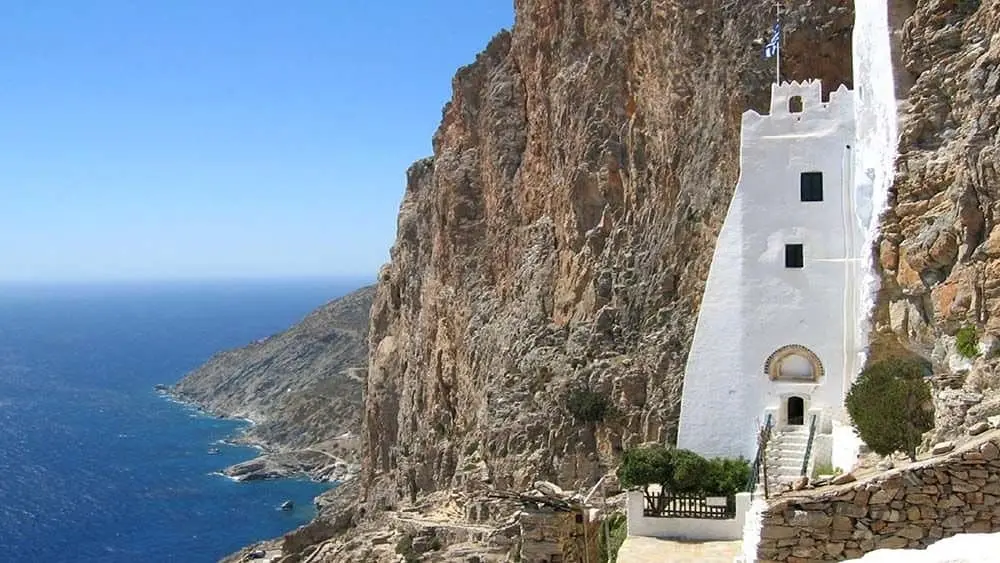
(558, 240)
(940, 253)
(302, 388)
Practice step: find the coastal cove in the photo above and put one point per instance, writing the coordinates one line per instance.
(99, 466)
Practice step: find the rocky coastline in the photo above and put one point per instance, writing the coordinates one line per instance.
(277, 385)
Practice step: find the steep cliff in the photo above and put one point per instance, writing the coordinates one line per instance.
(302, 388)
(558, 240)
(940, 251)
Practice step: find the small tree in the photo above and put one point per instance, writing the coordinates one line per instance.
(682, 471)
(727, 476)
(889, 405)
(641, 467)
(690, 471)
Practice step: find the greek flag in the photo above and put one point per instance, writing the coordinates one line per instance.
(771, 49)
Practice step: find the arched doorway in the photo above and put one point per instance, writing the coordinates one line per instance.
(796, 411)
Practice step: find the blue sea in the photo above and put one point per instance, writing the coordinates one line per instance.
(94, 464)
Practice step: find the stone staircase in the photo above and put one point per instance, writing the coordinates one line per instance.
(784, 455)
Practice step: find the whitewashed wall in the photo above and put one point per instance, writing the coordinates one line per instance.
(877, 138)
(686, 528)
(752, 303)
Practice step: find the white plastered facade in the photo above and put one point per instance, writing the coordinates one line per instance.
(753, 305)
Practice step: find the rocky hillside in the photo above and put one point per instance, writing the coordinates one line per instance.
(940, 254)
(302, 387)
(559, 239)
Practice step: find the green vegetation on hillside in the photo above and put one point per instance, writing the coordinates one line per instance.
(967, 342)
(588, 406)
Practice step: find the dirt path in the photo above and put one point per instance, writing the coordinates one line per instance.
(654, 550)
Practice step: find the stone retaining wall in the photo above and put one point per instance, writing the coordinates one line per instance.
(910, 507)
(547, 536)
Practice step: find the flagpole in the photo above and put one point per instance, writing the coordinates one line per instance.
(777, 54)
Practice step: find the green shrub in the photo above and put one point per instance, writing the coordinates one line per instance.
(645, 466)
(689, 472)
(588, 406)
(683, 471)
(825, 469)
(890, 406)
(967, 342)
(405, 548)
(727, 476)
(615, 529)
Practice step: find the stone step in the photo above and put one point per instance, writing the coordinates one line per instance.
(798, 449)
(790, 440)
(786, 457)
(787, 446)
(792, 464)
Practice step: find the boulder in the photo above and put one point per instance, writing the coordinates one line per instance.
(978, 428)
(550, 490)
(844, 479)
(942, 447)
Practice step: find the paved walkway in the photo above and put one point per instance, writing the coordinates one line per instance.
(638, 549)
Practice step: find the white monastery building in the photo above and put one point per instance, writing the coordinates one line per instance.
(776, 338)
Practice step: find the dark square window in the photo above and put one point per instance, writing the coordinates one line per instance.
(793, 255)
(812, 186)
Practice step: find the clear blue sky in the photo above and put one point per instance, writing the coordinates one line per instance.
(160, 139)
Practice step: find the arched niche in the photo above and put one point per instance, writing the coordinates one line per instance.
(794, 363)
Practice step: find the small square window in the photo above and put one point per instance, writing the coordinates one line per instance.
(811, 186)
(793, 256)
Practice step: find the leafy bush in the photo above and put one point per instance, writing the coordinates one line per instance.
(890, 406)
(645, 466)
(967, 342)
(689, 472)
(683, 471)
(588, 406)
(727, 476)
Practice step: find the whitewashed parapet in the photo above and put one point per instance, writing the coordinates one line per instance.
(685, 528)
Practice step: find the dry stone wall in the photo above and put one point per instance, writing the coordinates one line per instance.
(911, 507)
(548, 536)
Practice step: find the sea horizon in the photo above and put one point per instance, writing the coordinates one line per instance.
(98, 465)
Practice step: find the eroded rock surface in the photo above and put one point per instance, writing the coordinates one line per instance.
(560, 236)
(940, 253)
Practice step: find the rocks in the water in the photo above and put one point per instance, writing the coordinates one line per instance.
(161, 388)
(317, 465)
(213, 451)
(943, 448)
(287, 506)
